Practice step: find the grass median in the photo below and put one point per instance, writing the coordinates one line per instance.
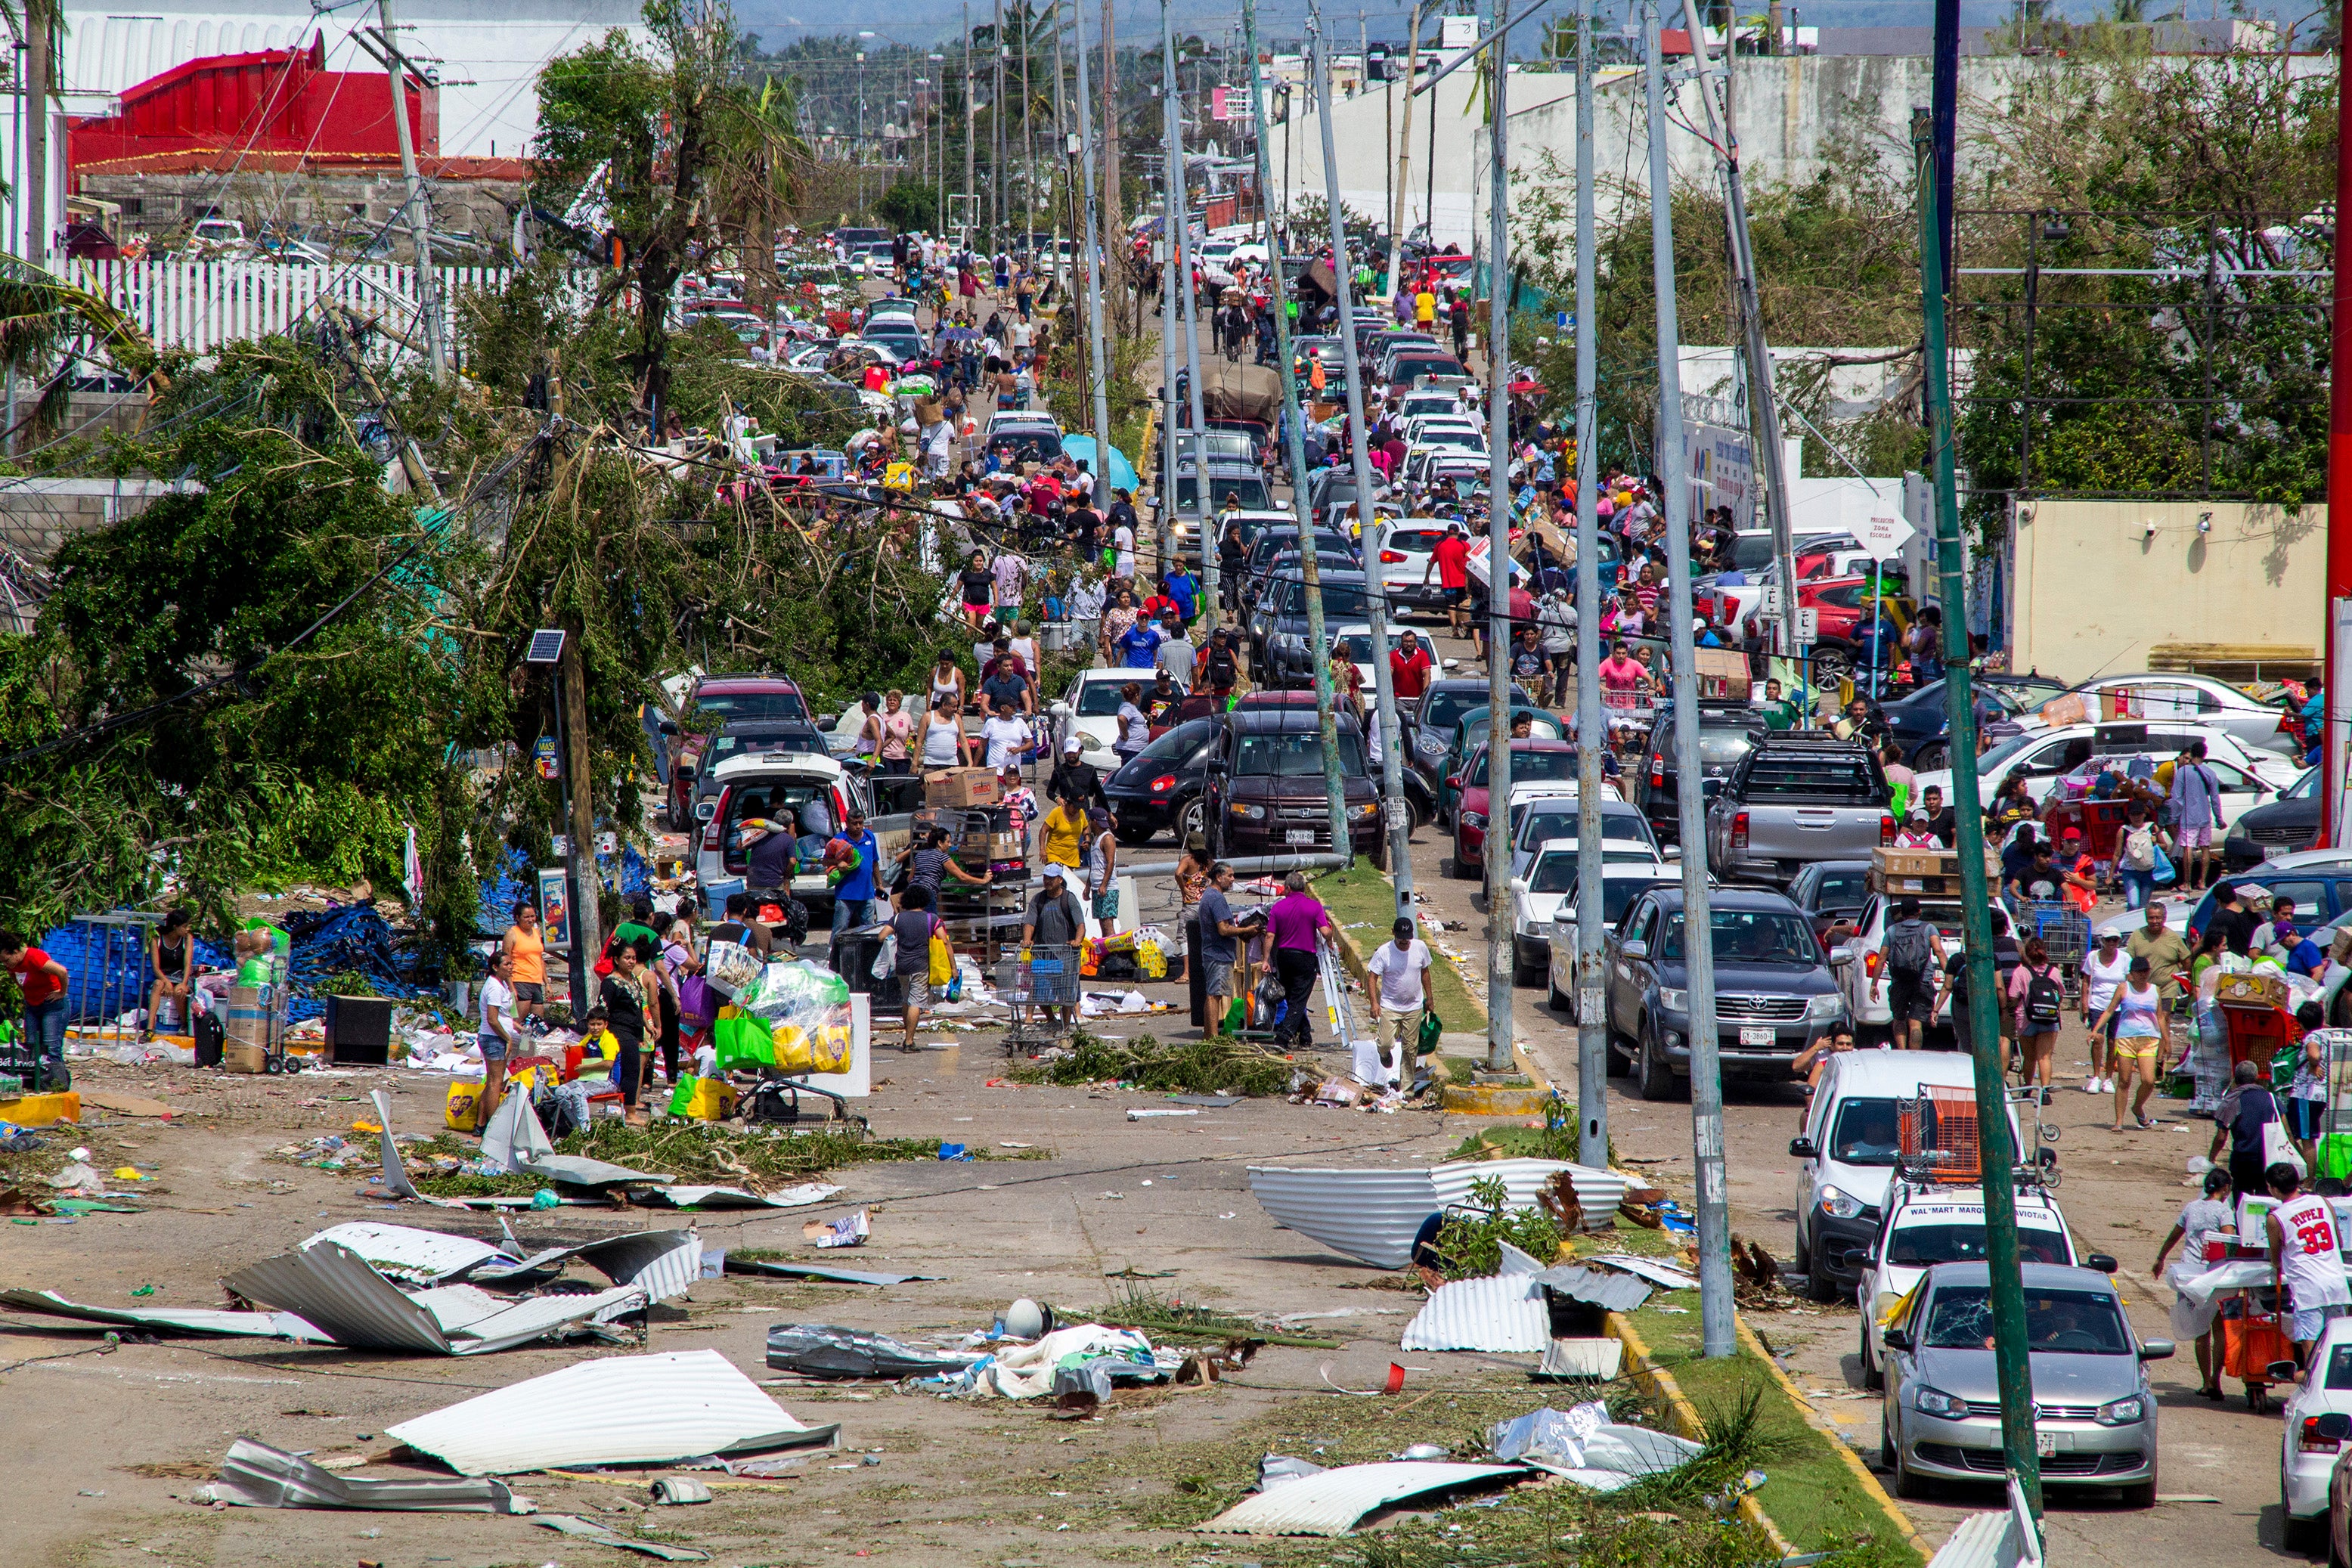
(1363, 902)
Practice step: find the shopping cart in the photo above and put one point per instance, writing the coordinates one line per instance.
(1039, 987)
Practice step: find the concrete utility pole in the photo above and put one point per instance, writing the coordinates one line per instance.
(1404, 156)
(1166, 252)
(2334, 823)
(1295, 441)
(40, 19)
(1092, 259)
(1373, 537)
(1181, 259)
(996, 204)
(1764, 408)
(1502, 960)
(1028, 136)
(969, 187)
(1592, 724)
(420, 211)
(580, 794)
(1997, 1158)
(1698, 923)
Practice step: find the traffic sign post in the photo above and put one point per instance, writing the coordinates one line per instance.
(1883, 537)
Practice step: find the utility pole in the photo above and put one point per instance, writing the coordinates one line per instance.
(1698, 923)
(996, 207)
(1764, 407)
(1114, 215)
(1294, 442)
(1404, 157)
(1092, 258)
(580, 794)
(1592, 724)
(2334, 827)
(41, 21)
(969, 186)
(1373, 537)
(1998, 1158)
(1502, 960)
(1188, 299)
(420, 211)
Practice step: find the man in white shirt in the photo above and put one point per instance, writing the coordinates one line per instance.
(1006, 735)
(1401, 966)
(1176, 654)
(1122, 542)
(1021, 337)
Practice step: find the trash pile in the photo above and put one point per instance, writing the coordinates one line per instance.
(393, 1287)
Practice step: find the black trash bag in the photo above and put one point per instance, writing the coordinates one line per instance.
(826, 1350)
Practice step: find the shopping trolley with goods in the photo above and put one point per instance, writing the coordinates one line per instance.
(2065, 934)
(1039, 987)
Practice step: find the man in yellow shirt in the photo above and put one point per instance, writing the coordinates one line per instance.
(1064, 833)
(1424, 308)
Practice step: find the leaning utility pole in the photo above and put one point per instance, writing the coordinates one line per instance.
(1592, 724)
(1294, 439)
(420, 211)
(1764, 408)
(1698, 924)
(580, 792)
(971, 211)
(1092, 259)
(1404, 156)
(1188, 299)
(1997, 1158)
(1372, 535)
(996, 192)
(1501, 957)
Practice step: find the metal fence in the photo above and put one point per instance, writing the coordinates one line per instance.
(200, 306)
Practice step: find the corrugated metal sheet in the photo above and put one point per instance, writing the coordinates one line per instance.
(781, 1271)
(187, 1319)
(797, 1197)
(1599, 1190)
(579, 1170)
(476, 1321)
(2002, 1539)
(404, 1252)
(1331, 1503)
(1501, 1312)
(1596, 1287)
(662, 1262)
(1371, 1216)
(335, 1289)
(1582, 1358)
(256, 1475)
(1664, 1275)
(622, 1410)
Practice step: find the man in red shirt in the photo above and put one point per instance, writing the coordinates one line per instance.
(1451, 562)
(43, 981)
(1409, 666)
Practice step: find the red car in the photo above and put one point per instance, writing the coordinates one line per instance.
(722, 697)
(1844, 604)
(1530, 760)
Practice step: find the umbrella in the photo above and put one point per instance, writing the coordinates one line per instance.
(1524, 387)
(1119, 474)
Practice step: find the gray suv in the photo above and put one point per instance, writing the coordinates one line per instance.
(2095, 1421)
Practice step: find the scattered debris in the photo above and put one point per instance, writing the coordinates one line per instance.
(622, 1410)
(1582, 1359)
(1274, 1470)
(678, 1490)
(1148, 1114)
(849, 1230)
(604, 1535)
(785, 1268)
(1584, 1446)
(1611, 1293)
(166, 1319)
(1662, 1275)
(1331, 1502)
(333, 1287)
(1503, 1312)
(1373, 1215)
(256, 1475)
(824, 1349)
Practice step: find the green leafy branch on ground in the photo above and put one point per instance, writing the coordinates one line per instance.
(1218, 1066)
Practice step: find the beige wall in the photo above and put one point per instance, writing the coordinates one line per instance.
(2095, 593)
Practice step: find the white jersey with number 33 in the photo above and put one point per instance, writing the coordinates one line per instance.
(2309, 1260)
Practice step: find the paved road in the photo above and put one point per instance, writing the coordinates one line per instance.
(2120, 1193)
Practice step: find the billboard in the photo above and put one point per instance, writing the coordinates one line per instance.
(1722, 467)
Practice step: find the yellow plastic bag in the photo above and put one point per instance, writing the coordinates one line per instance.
(823, 1049)
(942, 959)
(711, 1099)
(464, 1096)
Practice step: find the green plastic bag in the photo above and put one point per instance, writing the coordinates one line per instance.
(681, 1096)
(787, 1018)
(1431, 1031)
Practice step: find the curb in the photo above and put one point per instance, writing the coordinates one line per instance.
(1683, 1416)
(1862, 1472)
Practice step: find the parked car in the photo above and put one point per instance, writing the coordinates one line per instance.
(1544, 912)
(1624, 835)
(1280, 654)
(2315, 1487)
(1471, 733)
(1726, 733)
(2095, 1421)
(717, 701)
(1928, 1223)
(1429, 724)
(1922, 724)
(2256, 725)
(1161, 787)
(2041, 752)
(816, 791)
(1797, 796)
(1265, 793)
(2279, 826)
(1831, 890)
(1531, 759)
(1866, 980)
(1089, 707)
(738, 738)
(1774, 992)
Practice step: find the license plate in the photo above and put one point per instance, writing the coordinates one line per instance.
(2048, 1443)
(1751, 1035)
(1299, 836)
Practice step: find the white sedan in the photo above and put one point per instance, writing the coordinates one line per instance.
(1089, 708)
(1551, 892)
(2257, 726)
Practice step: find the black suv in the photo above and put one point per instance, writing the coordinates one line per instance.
(1265, 792)
(1280, 654)
(1725, 735)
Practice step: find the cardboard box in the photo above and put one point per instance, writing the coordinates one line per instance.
(244, 1058)
(1006, 846)
(2259, 988)
(1916, 863)
(961, 786)
(246, 1020)
(1917, 887)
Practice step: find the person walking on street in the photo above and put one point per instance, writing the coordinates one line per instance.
(853, 894)
(2039, 992)
(2238, 1123)
(2104, 969)
(1220, 935)
(525, 944)
(2196, 812)
(495, 1038)
(911, 930)
(42, 980)
(2193, 1319)
(2136, 849)
(1055, 921)
(1400, 968)
(1103, 881)
(1914, 956)
(939, 741)
(1295, 924)
(2307, 1264)
(2137, 1007)
(1450, 562)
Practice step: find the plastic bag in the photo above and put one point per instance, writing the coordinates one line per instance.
(2163, 873)
(942, 957)
(729, 967)
(886, 957)
(794, 1018)
(1431, 1033)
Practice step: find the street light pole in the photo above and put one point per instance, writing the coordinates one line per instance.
(1502, 957)
(1188, 300)
(1715, 1323)
(1592, 724)
(1092, 259)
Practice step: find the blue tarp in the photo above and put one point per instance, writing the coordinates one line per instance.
(519, 879)
(106, 967)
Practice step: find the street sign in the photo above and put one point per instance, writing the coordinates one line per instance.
(1884, 535)
(1808, 625)
(1563, 320)
(1770, 605)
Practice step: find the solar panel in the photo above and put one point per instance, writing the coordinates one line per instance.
(546, 647)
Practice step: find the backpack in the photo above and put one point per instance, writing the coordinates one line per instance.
(2138, 850)
(1908, 954)
(2044, 1001)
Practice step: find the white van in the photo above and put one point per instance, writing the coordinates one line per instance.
(1847, 1152)
(816, 791)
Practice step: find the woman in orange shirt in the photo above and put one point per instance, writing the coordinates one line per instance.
(526, 943)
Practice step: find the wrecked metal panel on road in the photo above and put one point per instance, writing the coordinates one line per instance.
(335, 1289)
(1599, 1190)
(621, 1410)
(404, 1252)
(1595, 1287)
(187, 1319)
(1370, 1215)
(1330, 1503)
(1501, 1312)
(256, 1475)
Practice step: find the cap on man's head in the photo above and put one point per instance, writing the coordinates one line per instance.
(1053, 872)
(2072, 835)
(1073, 746)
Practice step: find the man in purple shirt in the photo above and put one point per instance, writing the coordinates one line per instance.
(1291, 925)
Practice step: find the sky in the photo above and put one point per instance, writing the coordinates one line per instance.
(923, 21)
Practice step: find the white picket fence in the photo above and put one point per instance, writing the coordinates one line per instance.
(202, 305)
